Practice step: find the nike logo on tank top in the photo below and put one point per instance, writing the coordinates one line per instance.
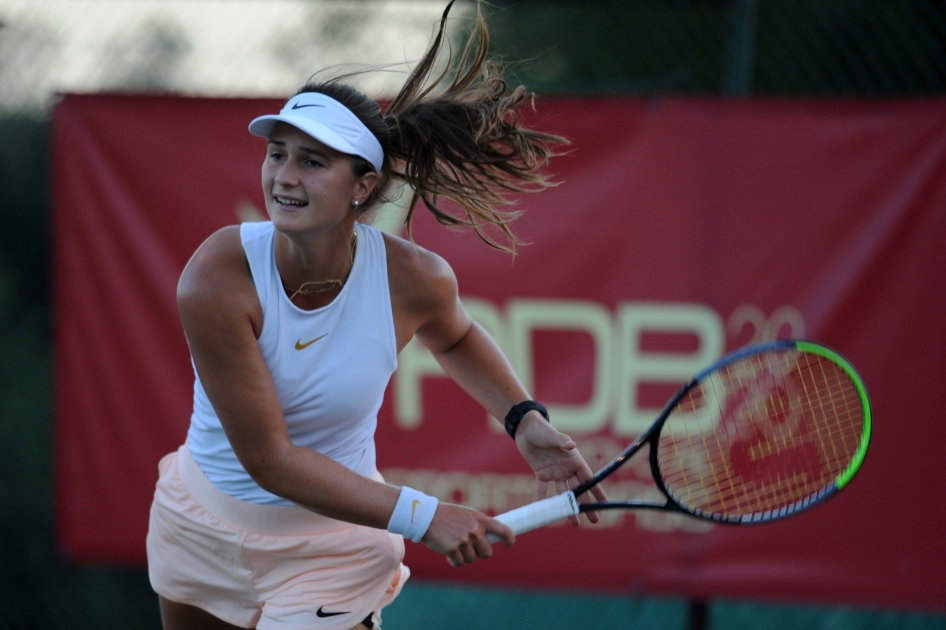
(330, 366)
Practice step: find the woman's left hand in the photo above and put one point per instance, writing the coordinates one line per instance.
(555, 459)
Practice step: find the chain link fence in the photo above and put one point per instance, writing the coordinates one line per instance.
(739, 48)
(729, 48)
(202, 47)
(864, 48)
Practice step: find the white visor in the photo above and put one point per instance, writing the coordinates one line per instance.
(329, 122)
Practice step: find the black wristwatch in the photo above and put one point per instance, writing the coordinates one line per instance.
(514, 417)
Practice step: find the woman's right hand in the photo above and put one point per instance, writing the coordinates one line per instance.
(460, 532)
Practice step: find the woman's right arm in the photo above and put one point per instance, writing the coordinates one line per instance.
(222, 319)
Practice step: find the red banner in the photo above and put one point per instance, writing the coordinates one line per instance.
(682, 229)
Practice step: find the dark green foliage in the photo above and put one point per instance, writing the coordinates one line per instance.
(38, 589)
(24, 202)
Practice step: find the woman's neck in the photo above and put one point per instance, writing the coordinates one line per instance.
(315, 267)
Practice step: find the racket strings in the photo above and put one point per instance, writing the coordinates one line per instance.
(762, 433)
(785, 483)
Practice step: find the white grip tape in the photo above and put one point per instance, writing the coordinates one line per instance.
(538, 514)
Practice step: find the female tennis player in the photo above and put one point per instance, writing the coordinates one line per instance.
(272, 514)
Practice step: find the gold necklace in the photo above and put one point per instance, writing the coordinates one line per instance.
(323, 286)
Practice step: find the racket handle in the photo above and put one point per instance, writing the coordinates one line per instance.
(538, 514)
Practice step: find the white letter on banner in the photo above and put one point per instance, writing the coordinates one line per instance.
(524, 316)
(635, 366)
(415, 362)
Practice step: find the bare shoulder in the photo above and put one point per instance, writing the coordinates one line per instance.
(217, 276)
(420, 280)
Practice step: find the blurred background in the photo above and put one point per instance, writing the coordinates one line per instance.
(731, 49)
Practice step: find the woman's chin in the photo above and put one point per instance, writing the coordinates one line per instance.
(290, 221)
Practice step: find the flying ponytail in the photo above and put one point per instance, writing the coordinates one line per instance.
(458, 140)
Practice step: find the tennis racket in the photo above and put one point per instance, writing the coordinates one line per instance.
(764, 433)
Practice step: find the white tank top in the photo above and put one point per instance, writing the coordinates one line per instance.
(330, 366)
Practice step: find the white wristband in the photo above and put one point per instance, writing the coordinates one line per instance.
(412, 514)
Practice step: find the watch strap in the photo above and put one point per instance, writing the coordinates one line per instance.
(514, 417)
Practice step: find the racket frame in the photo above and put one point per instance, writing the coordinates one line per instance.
(652, 437)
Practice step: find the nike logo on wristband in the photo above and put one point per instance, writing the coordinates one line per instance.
(414, 508)
(322, 613)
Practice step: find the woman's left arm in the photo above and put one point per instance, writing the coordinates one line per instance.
(478, 365)
(471, 358)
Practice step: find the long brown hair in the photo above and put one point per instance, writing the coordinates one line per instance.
(458, 139)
